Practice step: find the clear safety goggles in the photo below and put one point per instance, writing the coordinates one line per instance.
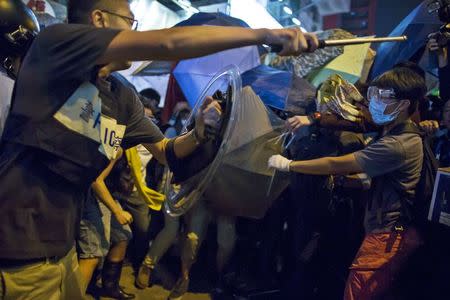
(380, 94)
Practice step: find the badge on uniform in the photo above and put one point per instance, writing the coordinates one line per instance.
(82, 113)
(112, 135)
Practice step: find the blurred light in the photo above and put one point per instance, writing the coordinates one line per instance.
(287, 10)
(185, 2)
(253, 13)
(192, 9)
(296, 21)
(186, 5)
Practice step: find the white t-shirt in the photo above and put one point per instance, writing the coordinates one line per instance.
(6, 89)
(145, 157)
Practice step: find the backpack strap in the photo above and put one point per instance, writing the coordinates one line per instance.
(406, 127)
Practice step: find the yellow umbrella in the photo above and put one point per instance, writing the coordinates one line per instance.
(350, 65)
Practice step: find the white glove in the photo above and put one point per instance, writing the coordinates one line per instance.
(279, 163)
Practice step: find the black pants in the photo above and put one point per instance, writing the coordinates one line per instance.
(140, 211)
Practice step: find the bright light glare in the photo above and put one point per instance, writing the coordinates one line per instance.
(287, 10)
(253, 13)
(296, 21)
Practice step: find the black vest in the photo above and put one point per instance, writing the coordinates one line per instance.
(66, 152)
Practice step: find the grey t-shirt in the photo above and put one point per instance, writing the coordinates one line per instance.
(394, 162)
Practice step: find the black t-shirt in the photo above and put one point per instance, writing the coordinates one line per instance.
(46, 165)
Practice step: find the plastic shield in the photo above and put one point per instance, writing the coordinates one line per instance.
(235, 180)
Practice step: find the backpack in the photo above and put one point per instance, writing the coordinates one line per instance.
(416, 208)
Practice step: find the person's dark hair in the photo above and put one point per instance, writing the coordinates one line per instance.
(78, 11)
(406, 83)
(151, 94)
(146, 102)
(411, 65)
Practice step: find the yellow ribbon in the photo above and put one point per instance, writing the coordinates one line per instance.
(150, 196)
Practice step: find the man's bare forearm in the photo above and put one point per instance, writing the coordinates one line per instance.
(179, 43)
(340, 165)
(183, 146)
(186, 144)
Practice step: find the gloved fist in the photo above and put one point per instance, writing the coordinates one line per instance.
(279, 163)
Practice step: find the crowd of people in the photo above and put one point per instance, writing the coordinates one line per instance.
(85, 159)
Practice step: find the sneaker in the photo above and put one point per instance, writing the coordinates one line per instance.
(180, 288)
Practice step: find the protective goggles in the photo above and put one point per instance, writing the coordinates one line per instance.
(380, 94)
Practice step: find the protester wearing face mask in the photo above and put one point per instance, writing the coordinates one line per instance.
(178, 120)
(394, 163)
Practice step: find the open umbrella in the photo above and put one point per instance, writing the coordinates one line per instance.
(305, 63)
(270, 84)
(350, 65)
(282, 90)
(243, 185)
(417, 26)
(213, 19)
(218, 19)
(194, 74)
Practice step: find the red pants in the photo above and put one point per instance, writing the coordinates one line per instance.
(378, 261)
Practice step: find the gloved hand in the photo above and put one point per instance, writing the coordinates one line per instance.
(279, 163)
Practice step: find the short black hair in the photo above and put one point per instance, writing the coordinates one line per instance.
(145, 102)
(151, 94)
(406, 83)
(78, 11)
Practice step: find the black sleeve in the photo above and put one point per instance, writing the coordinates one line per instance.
(140, 129)
(61, 58)
(70, 51)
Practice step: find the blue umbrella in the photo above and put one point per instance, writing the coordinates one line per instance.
(193, 75)
(218, 19)
(417, 26)
(271, 85)
(212, 19)
(280, 89)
